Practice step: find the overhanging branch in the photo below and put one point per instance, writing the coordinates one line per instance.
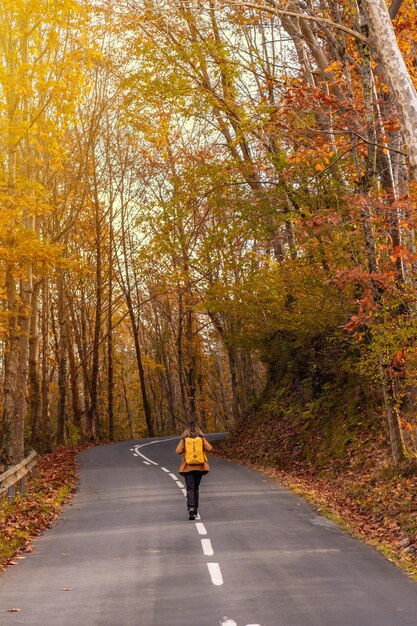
(303, 16)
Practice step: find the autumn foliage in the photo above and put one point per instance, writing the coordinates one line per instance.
(205, 205)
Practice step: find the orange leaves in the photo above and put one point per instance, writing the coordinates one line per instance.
(358, 276)
(401, 252)
(335, 66)
(399, 358)
(367, 304)
(318, 158)
(306, 98)
(354, 322)
(406, 425)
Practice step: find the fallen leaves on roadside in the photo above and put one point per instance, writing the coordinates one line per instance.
(52, 484)
(13, 610)
(362, 493)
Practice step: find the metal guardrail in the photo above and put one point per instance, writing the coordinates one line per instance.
(17, 474)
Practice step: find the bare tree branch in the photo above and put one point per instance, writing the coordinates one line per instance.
(275, 11)
(395, 8)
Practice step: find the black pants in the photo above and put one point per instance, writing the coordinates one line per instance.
(192, 482)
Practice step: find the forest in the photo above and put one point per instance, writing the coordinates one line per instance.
(208, 211)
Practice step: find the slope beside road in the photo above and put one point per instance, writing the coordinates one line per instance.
(125, 554)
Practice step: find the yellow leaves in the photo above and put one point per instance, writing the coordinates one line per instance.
(407, 47)
(5, 254)
(28, 199)
(335, 66)
(151, 364)
(23, 247)
(78, 266)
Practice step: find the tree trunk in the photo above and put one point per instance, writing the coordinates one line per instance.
(80, 340)
(45, 434)
(388, 53)
(110, 372)
(92, 412)
(35, 400)
(126, 401)
(232, 356)
(191, 366)
(167, 375)
(75, 393)
(145, 401)
(10, 371)
(394, 428)
(222, 390)
(180, 356)
(62, 364)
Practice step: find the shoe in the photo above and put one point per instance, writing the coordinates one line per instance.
(191, 514)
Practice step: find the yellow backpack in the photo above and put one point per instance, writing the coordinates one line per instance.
(194, 451)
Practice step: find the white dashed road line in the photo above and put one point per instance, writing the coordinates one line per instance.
(207, 547)
(201, 528)
(149, 443)
(146, 458)
(213, 568)
(215, 573)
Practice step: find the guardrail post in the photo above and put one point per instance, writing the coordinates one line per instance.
(11, 490)
(11, 493)
(22, 486)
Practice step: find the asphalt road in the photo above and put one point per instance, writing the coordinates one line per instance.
(125, 554)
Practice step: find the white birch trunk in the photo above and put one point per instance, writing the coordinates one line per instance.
(385, 47)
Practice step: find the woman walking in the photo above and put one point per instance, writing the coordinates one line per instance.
(193, 447)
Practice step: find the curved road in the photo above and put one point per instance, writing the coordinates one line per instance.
(125, 554)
